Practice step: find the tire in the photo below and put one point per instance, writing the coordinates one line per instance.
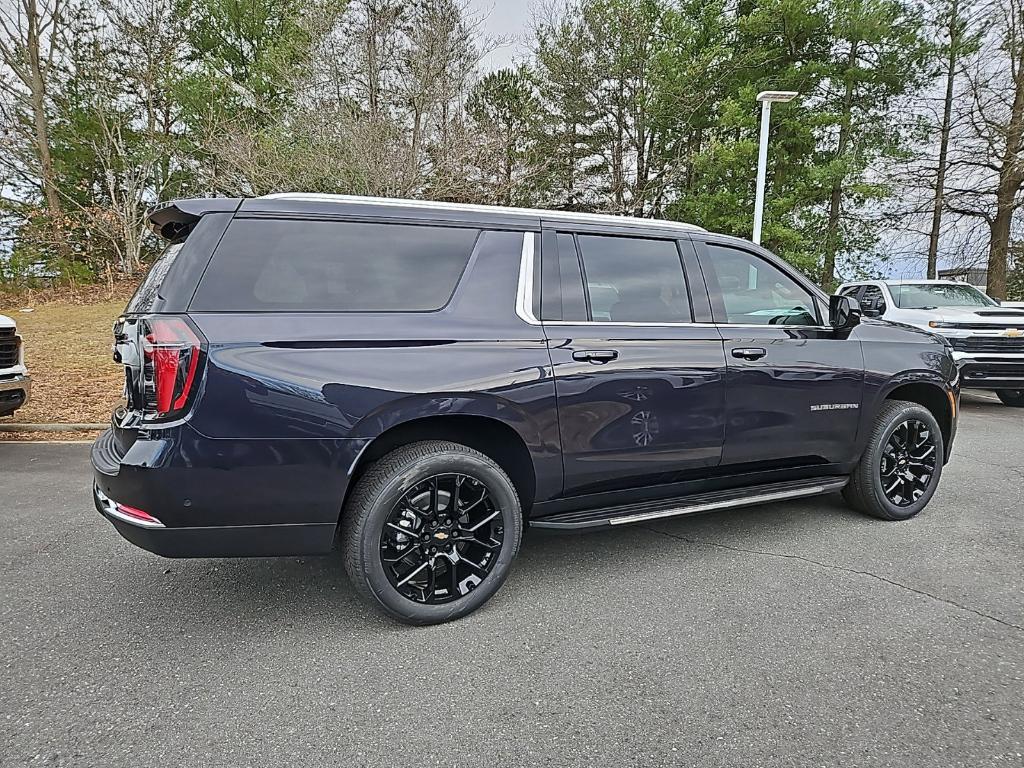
(1011, 397)
(866, 491)
(406, 473)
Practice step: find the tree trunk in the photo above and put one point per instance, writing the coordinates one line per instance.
(1011, 177)
(940, 171)
(40, 124)
(998, 249)
(828, 272)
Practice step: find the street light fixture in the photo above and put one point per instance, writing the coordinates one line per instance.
(766, 98)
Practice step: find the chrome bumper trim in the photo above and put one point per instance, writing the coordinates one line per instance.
(110, 508)
(21, 381)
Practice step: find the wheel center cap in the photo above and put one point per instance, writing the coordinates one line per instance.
(441, 536)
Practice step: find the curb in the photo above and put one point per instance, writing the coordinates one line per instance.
(51, 427)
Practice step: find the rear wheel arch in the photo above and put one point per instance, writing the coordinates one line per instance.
(491, 437)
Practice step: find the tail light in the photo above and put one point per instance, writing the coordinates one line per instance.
(171, 350)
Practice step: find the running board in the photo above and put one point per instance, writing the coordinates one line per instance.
(690, 505)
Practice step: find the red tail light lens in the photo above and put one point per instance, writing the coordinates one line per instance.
(171, 350)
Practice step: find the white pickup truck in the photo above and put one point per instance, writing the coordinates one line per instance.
(987, 337)
(15, 383)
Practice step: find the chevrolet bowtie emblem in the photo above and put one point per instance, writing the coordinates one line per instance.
(440, 535)
(1013, 333)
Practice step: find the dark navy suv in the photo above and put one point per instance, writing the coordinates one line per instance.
(413, 383)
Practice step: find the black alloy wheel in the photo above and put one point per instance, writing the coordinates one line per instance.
(441, 539)
(908, 462)
(430, 531)
(901, 465)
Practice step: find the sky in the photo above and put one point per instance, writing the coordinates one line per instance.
(509, 20)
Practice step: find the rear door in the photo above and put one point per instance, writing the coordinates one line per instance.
(794, 386)
(640, 385)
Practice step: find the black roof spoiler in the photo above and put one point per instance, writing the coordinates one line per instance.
(174, 219)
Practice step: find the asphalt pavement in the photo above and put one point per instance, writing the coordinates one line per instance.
(794, 634)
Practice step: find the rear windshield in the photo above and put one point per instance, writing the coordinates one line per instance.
(289, 265)
(149, 289)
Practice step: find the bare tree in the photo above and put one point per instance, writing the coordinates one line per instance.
(955, 29)
(988, 160)
(30, 41)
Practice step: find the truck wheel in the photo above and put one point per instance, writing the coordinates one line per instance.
(1012, 397)
(430, 532)
(900, 469)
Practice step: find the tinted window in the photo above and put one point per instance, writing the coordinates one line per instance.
(634, 280)
(148, 290)
(748, 290)
(291, 265)
(574, 303)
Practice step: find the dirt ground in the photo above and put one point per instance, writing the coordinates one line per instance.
(67, 337)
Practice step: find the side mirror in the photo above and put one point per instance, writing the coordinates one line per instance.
(843, 313)
(872, 307)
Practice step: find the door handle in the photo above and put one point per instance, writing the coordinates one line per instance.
(596, 356)
(750, 353)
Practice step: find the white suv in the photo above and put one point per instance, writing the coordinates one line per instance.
(15, 383)
(987, 339)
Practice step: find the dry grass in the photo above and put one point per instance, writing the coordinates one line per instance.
(48, 437)
(67, 350)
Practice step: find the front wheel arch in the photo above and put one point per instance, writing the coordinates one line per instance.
(931, 396)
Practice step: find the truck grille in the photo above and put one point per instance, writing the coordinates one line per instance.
(983, 344)
(9, 345)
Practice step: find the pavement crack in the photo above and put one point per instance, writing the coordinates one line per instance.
(835, 567)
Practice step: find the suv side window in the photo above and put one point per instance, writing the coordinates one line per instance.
(634, 280)
(335, 266)
(563, 294)
(748, 290)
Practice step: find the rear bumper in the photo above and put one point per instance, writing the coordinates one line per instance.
(14, 393)
(219, 540)
(220, 498)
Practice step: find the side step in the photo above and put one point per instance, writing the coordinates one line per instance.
(703, 502)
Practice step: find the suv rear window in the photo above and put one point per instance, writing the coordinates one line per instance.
(297, 266)
(149, 288)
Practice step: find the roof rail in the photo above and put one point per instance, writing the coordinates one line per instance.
(597, 218)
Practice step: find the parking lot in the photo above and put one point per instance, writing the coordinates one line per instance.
(792, 634)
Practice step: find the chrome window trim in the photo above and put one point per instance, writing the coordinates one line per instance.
(524, 291)
(524, 303)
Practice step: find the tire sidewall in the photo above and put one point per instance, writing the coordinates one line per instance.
(894, 511)
(1014, 398)
(504, 496)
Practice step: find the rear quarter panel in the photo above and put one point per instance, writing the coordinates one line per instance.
(303, 382)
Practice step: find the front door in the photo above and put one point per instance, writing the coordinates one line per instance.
(794, 387)
(640, 387)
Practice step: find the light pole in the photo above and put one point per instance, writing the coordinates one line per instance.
(766, 98)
